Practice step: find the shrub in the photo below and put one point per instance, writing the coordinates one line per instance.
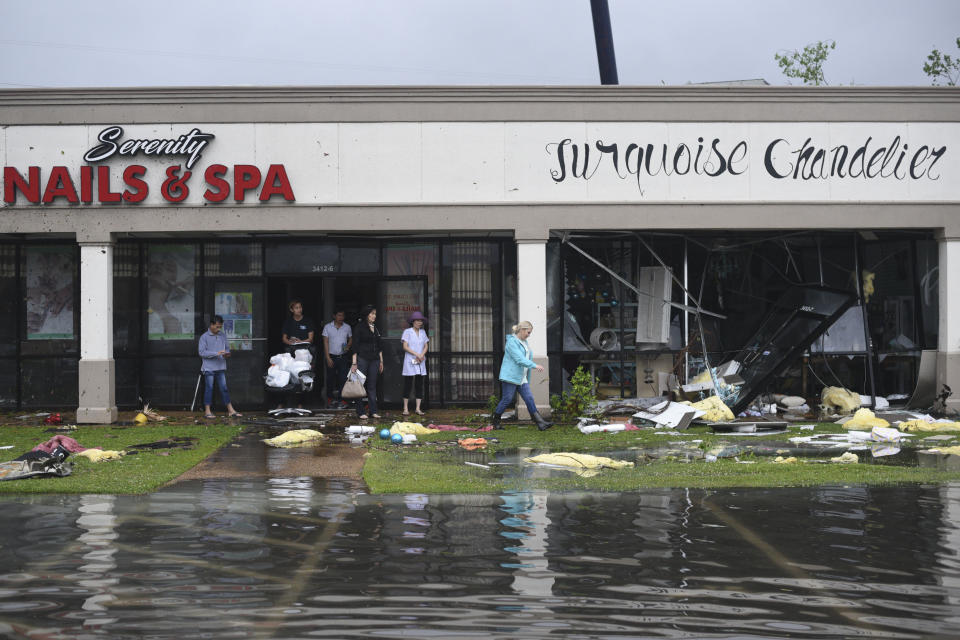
(578, 400)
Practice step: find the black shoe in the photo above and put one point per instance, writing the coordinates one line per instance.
(496, 421)
(542, 424)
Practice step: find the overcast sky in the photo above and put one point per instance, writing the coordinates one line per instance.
(101, 43)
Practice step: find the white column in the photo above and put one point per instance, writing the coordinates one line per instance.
(948, 339)
(532, 306)
(97, 390)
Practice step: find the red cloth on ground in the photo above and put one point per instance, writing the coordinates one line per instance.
(450, 427)
(66, 442)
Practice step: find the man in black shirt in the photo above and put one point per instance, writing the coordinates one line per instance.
(298, 333)
(297, 328)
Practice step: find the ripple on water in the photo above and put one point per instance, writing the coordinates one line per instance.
(299, 557)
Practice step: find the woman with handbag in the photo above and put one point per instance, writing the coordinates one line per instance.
(367, 358)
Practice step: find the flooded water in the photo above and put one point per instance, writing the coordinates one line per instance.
(304, 558)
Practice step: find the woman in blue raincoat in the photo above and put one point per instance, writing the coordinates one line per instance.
(515, 374)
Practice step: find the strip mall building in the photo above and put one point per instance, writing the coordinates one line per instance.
(131, 215)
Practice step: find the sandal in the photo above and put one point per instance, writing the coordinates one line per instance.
(363, 417)
(405, 413)
(377, 416)
(421, 413)
(235, 414)
(209, 415)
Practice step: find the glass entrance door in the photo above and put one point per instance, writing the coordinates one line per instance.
(398, 298)
(241, 304)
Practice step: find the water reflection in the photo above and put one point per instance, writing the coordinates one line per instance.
(300, 557)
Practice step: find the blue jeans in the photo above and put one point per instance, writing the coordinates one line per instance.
(221, 377)
(509, 390)
(371, 369)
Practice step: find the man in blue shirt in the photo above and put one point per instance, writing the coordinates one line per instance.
(214, 351)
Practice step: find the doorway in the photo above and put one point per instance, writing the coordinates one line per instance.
(394, 298)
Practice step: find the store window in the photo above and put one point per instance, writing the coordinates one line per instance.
(171, 292)
(50, 274)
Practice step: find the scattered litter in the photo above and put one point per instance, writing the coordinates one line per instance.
(714, 409)
(882, 450)
(578, 461)
(805, 427)
(671, 415)
(150, 414)
(951, 451)
(53, 418)
(140, 418)
(726, 374)
(476, 464)
(879, 402)
(863, 419)
(360, 429)
(790, 402)
(840, 400)
(7, 446)
(450, 427)
(294, 438)
(885, 434)
(472, 444)
(47, 466)
(96, 455)
(414, 428)
(750, 427)
(924, 425)
(846, 458)
(66, 442)
(603, 428)
(782, 460)
(170, 443)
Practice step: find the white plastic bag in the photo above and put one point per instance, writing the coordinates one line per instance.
(303, 355)
(280, 379)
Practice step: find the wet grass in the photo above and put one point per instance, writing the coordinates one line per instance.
(436, 465)
(132, 474)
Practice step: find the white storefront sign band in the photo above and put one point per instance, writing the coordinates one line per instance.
(480, 162)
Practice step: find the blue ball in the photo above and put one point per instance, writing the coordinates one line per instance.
(396, 438)
(384, 433)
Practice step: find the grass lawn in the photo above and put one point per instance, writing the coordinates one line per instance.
(132, 474)
(436, 465)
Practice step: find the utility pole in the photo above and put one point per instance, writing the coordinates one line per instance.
(606, 58)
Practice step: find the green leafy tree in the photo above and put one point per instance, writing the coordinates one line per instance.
(806, 65)
(942, 68)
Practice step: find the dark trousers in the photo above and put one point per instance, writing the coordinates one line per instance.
(371, 369)
(416, 382)
(337, 375)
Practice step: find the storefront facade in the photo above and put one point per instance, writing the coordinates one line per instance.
(132, 215)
